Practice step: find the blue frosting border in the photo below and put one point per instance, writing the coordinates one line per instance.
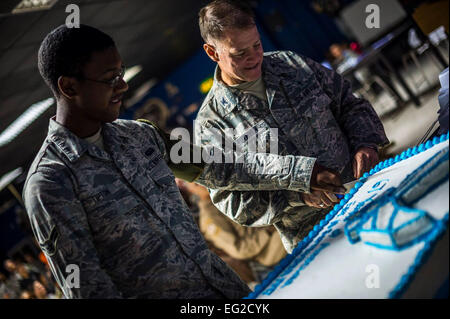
(420, 258)
(391, 196)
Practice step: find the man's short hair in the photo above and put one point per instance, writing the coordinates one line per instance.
(64, 51)
(220, 15)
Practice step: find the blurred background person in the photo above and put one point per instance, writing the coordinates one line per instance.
(40, 291)
(368, 81)
(26, 294)
(260, 247)
(25, 276)
(6, 291)
(12, 278)
(342, 57)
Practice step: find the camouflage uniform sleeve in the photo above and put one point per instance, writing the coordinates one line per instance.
(244, 171)
(247, 207)
(257, 172)
(61, 228)
(186, 171)
(356, 116)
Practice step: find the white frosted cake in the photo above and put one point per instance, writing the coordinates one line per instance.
(388, 238)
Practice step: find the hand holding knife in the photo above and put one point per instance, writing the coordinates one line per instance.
(348, 186)
(324, 184)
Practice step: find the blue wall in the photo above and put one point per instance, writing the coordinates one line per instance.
(294, 25)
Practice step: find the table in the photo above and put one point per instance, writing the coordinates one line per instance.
(375, 54)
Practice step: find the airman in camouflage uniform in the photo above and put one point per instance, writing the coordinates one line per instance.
(111, 209)
(119, 216)
(313, 108)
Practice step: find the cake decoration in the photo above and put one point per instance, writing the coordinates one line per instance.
(392, 218)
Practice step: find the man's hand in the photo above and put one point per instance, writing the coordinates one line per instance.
(320, 199)
(326, 180)
(364, 160)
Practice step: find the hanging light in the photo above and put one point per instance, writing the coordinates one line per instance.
(23, 121)
(33, 5)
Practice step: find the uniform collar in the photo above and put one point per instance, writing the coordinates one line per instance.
(271, 79)
(230, 97)
(71, 145)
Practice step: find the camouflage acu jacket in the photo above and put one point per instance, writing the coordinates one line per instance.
(119, 217)
(316, 115)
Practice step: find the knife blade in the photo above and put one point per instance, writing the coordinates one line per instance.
(348, 186)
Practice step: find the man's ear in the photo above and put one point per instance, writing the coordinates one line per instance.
(211, 52)
(67, 86)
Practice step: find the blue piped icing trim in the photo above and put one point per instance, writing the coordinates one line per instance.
(301, 257)
(390, 230)
(354, 221)
(421, 258)
(318, 227)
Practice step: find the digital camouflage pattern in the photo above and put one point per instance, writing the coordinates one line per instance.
(317, 116)
(119, 216)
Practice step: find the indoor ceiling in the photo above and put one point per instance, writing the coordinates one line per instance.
(156, 34)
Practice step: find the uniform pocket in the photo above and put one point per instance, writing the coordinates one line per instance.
(257, 139)
(163, 176)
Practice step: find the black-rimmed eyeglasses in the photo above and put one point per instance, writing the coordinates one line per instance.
(113, 82)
